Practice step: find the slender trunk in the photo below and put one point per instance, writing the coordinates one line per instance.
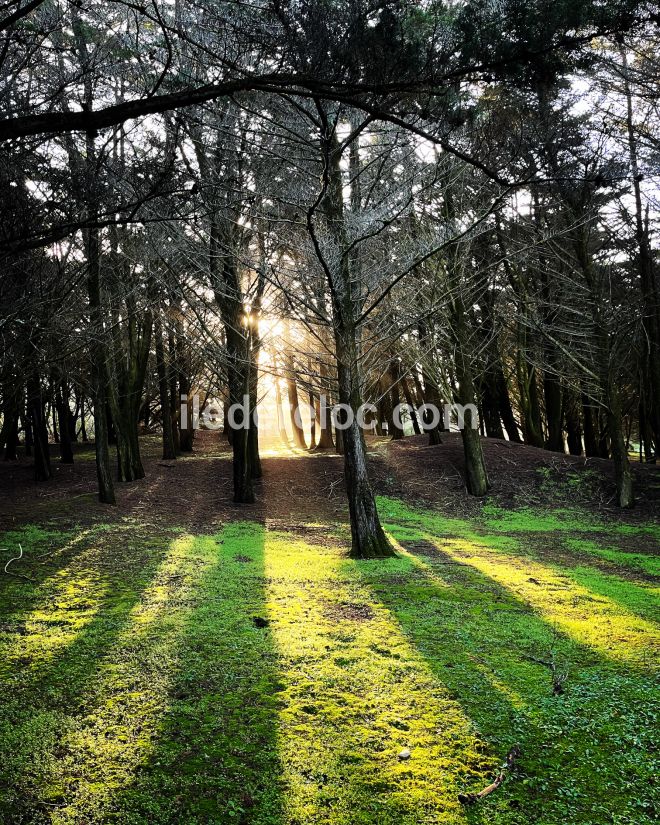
(490, 406)
(10, 412)
(52, 411)
(573, 427)
(83, 422)
(64, 413)
(506, 410)
(284, 437)
(529, 402)
(368, 539)
(409, 401)
(590, 431)
(129, 373)
(324, 425)
(27, 430)
(174, 389)
(11, 437)
(553, 412)
(98, 346)
(183, 370)
(238, 390)
(430, 393)
(312, 425)
(397, 429)
(645, 434)
(476, 476)
(292, 397)
(169, 452)
(622, 471)
(385, 408)
(36, 409)
(254, 345)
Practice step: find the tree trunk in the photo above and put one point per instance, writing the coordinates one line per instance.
(506, 410)
(83, 422)
(529, 401)
(182, 369)
(10, 414)
(175, 398)
(622, 471)
(169, 452)
(284, 436)
(409, 401)
(64, 415)
(11, 437)
(36, 409)
(129, 371)
(490, 406)
(553, 412)
(647, 276)
(395, 395)
(431, 394)
(98, 346)
(312, 424)
(385, 408)
(293, 402)
(573, 428)
(476, 476)
(254, 345)
(590, 431)
(238, 390)
(368, 538)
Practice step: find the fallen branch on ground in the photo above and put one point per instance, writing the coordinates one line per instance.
(558, 678)
(17, 558)
(471, 798)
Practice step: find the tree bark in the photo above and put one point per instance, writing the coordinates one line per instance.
(98, 346)
(573, 427)
(169, 451)
(64, 416)
(36, 405)
(368, 538)
(395, 395)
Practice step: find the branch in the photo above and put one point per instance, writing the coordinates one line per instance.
(471, 798)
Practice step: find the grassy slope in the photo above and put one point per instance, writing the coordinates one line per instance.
(136, 687)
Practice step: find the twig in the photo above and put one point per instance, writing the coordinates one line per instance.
(471, 798)
(558, 679)
(17, 558)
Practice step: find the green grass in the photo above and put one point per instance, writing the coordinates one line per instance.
(136, 686)
(623, 558)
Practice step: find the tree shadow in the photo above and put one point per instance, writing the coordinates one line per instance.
(71, 630)
(214, 754)
(487, 647)
(600, 577)
(45, 553)
(634, 596)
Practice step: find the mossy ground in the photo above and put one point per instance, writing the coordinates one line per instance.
(260, 676)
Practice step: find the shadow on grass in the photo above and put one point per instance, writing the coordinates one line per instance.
(638, 598)
(69, 626)
(214, 757)
(477, 637)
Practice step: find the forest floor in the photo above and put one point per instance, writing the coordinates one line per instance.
(179, 659)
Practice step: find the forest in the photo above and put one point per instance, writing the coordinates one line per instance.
(329, 412)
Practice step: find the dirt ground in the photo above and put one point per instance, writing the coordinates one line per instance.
(195, 490)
